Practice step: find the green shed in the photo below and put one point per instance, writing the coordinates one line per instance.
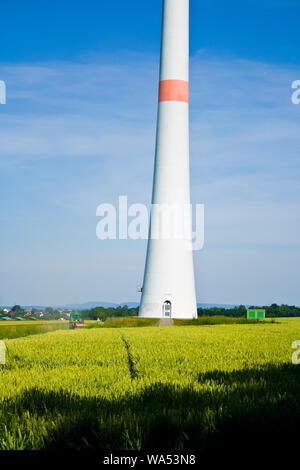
(256, 314)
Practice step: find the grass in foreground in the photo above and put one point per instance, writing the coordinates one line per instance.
(125, 322)
(163, 388)
(219, 320)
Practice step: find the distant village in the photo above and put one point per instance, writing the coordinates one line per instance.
(19, 313)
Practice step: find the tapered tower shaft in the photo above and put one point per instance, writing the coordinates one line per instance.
(169, 286)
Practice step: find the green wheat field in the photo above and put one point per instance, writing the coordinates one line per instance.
(177, 387)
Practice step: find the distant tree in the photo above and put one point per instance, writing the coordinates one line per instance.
(49, 310)
(17, 310)
(51, 314)
(104, 313)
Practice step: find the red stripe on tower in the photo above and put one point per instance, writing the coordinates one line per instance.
(173, 90)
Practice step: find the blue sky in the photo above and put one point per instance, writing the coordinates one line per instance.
(78, 129)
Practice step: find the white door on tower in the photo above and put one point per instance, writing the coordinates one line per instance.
(167, 308)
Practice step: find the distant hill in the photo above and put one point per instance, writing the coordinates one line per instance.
(89, 305)
(227, 306)
(100, 303)
(93, 304)
(83, 306)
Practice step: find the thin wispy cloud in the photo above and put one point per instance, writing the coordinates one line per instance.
(75, 135)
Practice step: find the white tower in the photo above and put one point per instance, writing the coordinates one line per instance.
(169, 286)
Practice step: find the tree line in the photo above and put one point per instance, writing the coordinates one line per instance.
(272, 311)
(103, 313)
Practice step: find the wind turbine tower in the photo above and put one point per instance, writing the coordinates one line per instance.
(169, 285)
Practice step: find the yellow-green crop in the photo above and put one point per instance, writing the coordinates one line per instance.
(139, 388)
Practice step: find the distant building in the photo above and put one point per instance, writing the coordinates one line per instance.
(256, 314)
